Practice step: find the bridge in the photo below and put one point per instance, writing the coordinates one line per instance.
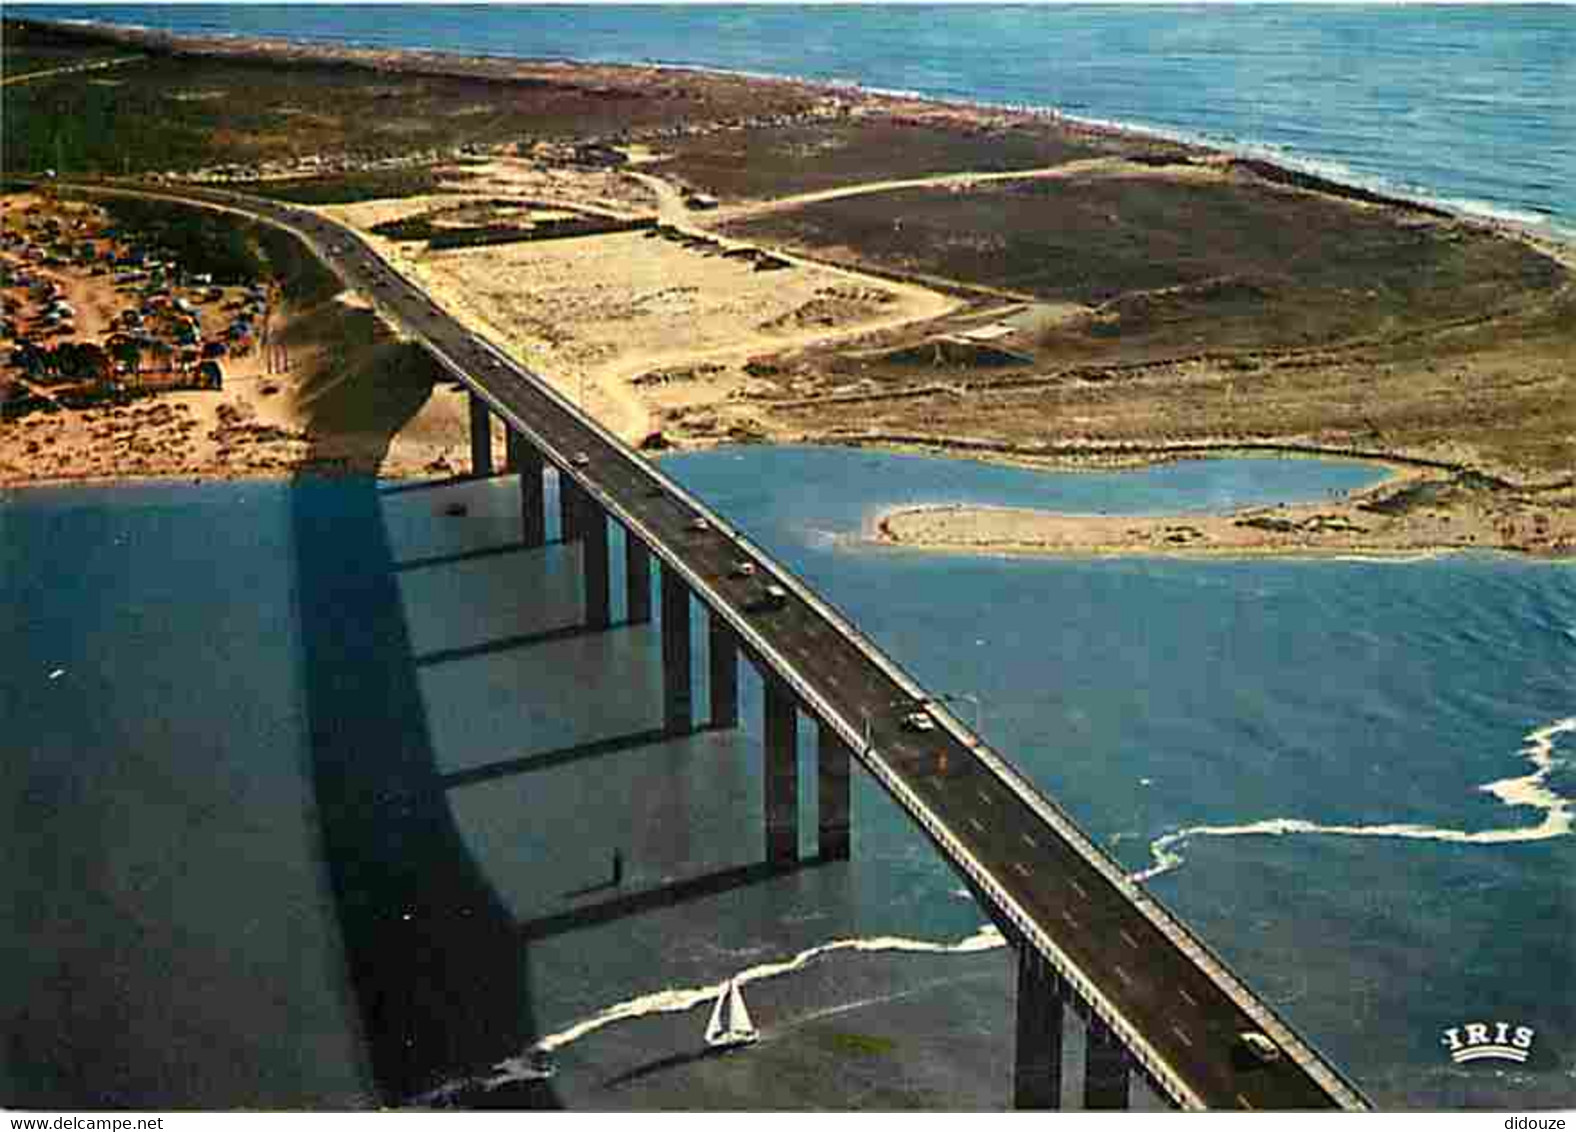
(1153, 998)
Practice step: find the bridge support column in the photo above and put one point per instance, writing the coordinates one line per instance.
(594, 562)
(570, 504)
(481, 438)
(1037, 1065)
(782, 772)
(1105, 1067)
(831, 780)
(676, 695)
(637, 580)
(526, 461)
(723, 674)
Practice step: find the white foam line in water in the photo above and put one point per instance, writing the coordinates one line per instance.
(1528, 790)
(679, 999)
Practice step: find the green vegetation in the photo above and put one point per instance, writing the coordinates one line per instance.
(26, 49)
(200, 240)
(231, 249)
(349, 188)
(858, 1045)
(177, 110)
(173, 111)
(416, 228)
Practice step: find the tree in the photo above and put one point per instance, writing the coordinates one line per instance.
(127, 353)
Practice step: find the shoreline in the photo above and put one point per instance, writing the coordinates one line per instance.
(1375, 523)
(1547, 233)
(700, 395)
(1328, 529)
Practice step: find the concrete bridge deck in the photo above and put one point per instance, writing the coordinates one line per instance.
(1156, 1000)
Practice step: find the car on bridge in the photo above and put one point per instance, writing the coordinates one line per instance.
(1255, 1049)
(771, 597)
(919, 721)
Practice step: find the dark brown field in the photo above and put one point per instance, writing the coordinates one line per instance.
(768, 162)
(1169, 264)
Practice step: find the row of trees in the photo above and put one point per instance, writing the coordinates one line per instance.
(70, 361)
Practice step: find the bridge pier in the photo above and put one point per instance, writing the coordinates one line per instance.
(1037, 1064)
(676, 693)
(782, 772)
(831, 780)
(723, 673)
(594, 562)
(571, 501)
(637, 580)
(481, 437)
(527, 462)
(1105, 1067)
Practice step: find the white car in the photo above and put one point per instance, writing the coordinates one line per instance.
(1258, 1047)
(743, 570)
(919, 721)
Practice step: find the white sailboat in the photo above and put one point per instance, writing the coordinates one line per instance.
(730, 1023)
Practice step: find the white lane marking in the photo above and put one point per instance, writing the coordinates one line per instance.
(984, 797)
(1187, 1041)
(1078, 888)
(1121, 974)
(975, 822)
(1128, 939)
(1071, 919)
(1190, 999)
(1023, 870)
(1029, 841)
(1244, 1102)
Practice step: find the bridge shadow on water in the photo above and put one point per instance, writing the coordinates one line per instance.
(401, 617)
(433, 957)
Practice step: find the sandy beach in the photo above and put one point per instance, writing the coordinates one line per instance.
(1411, 515)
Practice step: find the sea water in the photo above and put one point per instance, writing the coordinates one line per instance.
(1465, 104)
(1352, 778)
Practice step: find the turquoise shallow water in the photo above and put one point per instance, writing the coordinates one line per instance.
(216, 809)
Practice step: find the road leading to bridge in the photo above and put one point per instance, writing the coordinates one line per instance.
(1175, 1006)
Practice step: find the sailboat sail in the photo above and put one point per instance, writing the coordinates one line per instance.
(740, 1022)
(730, 1023)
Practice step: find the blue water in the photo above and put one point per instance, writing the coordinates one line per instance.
(1465, 104)
(211, 692)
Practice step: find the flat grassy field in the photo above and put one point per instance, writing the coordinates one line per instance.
(768, 162)
(1167, 264)
(180, 109)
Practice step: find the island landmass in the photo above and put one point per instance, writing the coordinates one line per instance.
(702, 259)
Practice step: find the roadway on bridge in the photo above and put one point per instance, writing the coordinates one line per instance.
(1189, 1020)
